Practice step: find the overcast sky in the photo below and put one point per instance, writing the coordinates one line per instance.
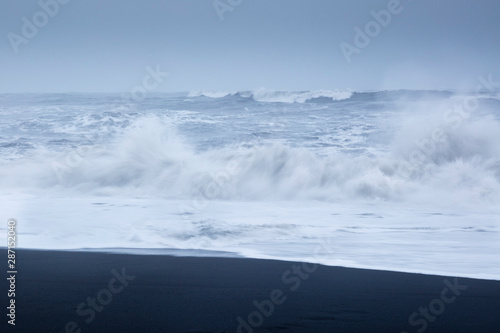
(106, 45)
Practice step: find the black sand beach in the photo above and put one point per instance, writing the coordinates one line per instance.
(95, 292)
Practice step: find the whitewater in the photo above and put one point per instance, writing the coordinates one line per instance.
(396, 180)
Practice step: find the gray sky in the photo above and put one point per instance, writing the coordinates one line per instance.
(105, 45)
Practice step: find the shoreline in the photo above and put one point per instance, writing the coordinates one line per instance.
(201, 253)
(61, 291)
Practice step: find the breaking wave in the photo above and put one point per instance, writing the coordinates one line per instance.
(151, 159)
(270, 96)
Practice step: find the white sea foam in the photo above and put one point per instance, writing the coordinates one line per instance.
(211, 94)
(299, 97)
(151, 158)
(270, 96)
(385, 191)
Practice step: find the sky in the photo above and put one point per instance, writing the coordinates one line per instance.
(230, 45)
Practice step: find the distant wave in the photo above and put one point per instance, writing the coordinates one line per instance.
(211, 94)
(270, 96)
(325, 96)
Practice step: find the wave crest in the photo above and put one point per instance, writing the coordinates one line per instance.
(270, 96)
(151, 159)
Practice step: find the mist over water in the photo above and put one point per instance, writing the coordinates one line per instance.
(211, 158)
(388, 147)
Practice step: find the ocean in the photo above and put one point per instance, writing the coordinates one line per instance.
(397, 180)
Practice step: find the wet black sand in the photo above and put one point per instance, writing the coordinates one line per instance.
(96, 292)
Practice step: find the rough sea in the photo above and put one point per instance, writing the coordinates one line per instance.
(397, 180)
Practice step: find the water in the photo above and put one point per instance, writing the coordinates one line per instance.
(398, 180)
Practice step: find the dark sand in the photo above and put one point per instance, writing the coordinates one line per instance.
(186, 294)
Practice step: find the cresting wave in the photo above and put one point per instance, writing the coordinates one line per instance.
(150, 159)
(377, 178)
(270, 96)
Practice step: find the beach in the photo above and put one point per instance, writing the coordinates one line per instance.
(58, 291)
(250, 166)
